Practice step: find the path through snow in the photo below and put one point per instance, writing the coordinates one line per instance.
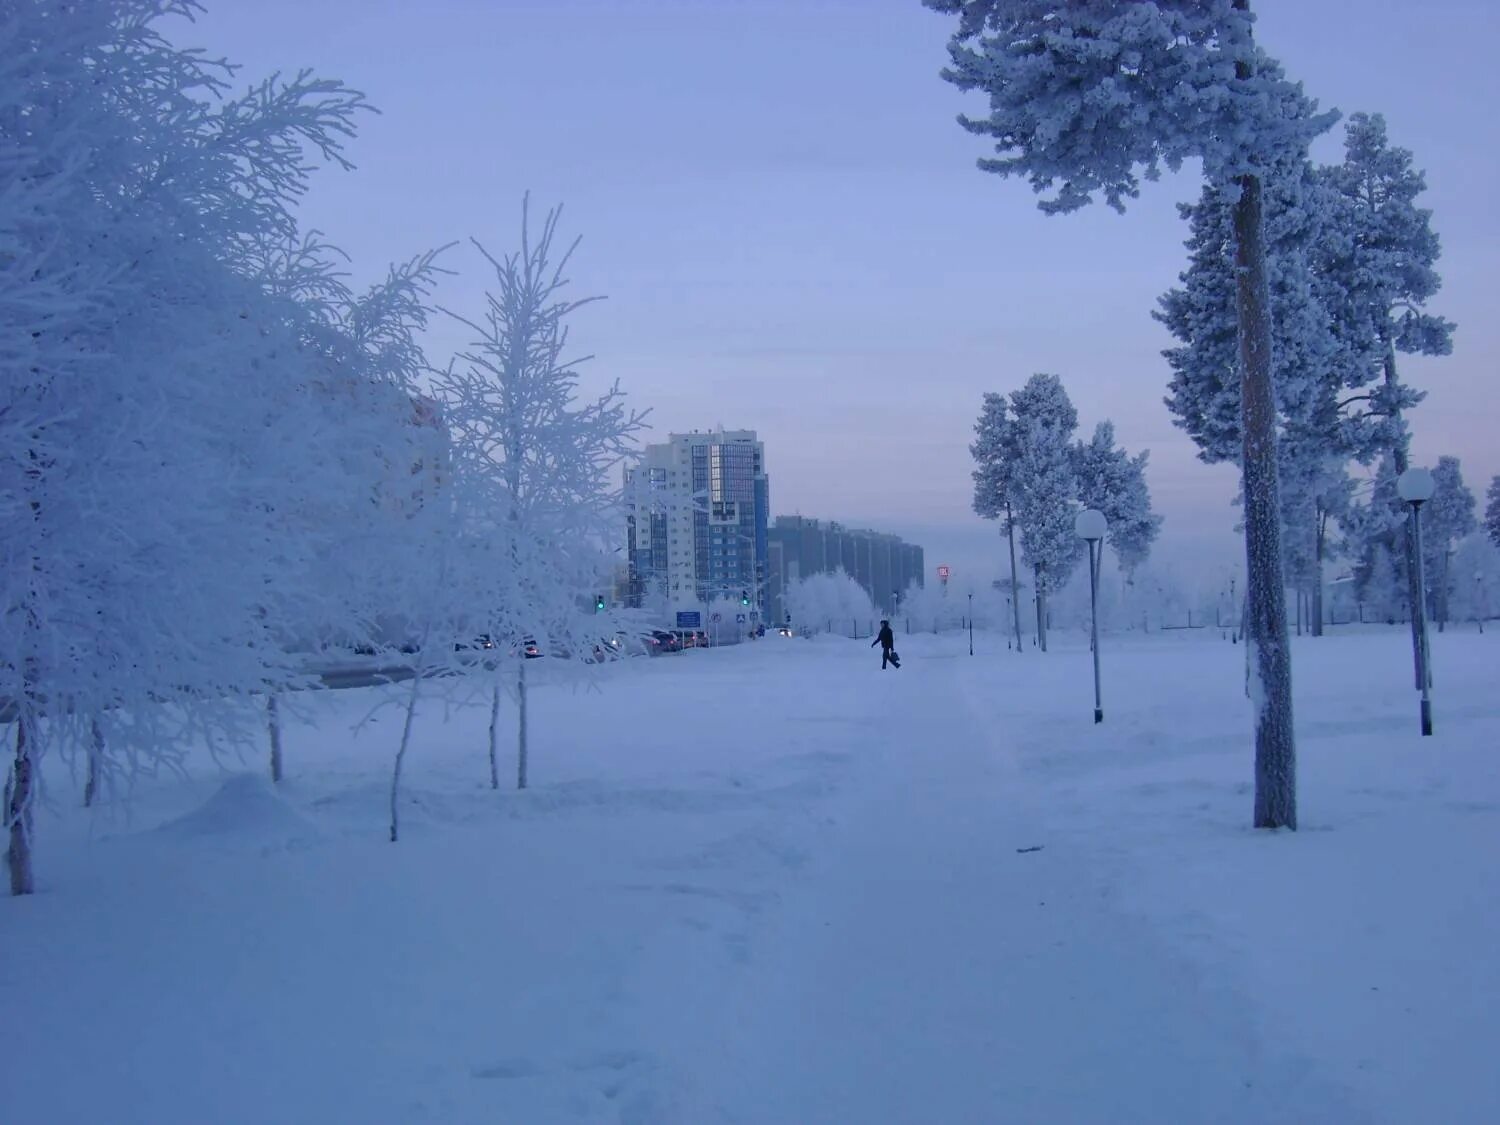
(932, 971)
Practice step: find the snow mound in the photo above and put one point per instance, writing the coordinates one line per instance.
(246, 805)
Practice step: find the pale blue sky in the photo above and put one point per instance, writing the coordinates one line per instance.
(793, 237)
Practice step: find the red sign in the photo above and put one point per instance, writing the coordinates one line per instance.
(943, 573)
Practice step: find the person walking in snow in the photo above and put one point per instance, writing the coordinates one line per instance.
(887, 642)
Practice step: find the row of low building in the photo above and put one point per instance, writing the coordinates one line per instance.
(699, 529)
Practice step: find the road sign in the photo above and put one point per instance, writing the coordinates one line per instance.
(754, 615)
(739, 618)
(943, 573)
(716, 618)
(689, 619)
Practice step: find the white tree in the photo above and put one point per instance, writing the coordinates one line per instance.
(1043, 485)
(1110, 480)
(1492, 512)
(1447, 519)
(994, 454)
(1314, 369)
(830, 600)
(1381, 276)
(546, 458)
(157, 420)
(1087, 97)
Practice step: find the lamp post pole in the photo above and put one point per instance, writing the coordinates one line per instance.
(971, 624)
(1091, 526)
(1416, 487)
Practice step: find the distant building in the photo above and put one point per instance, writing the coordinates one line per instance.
(696, 514)
(883, 564)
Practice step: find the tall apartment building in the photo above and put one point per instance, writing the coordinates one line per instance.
(883, 564)
(696, 510)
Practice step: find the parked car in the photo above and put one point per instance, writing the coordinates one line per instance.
(666, 641)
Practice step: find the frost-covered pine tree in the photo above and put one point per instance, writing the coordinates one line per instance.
(994, 464)
(1314, 366)
(1382, 272)
(1086, 98)
(1380, 277)
(1109, 479)
(1042, 425)
(511, 399)
(1446, 520)
(1492, 512)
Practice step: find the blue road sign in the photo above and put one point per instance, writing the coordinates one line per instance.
(689, 619)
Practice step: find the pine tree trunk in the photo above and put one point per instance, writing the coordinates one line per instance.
(1443, 592)
(521, 724)
(1015, 585)
(1041, 611)
(411, 710)
(18, 806)
(273, 724)
(96, 757)
(1266, 631)
(494, 736)
(1401, 461)
(1317, 590)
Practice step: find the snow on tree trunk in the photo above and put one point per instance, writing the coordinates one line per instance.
(494, 737)
(273, 725)
(1317, 590)
(411, 710)
(18, 809)
(1041, 611)
(1015, 587)
(96, 758)
(1266, 628)
(1401, 460)
(521, 725)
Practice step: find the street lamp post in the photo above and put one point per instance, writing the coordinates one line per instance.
(1091, 526)
(1416, 487)
(1479, 606)
(971, 624)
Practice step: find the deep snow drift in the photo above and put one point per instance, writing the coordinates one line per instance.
(776, 884)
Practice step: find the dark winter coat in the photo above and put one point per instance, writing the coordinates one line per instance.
(885, 638)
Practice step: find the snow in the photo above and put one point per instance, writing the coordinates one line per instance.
(772, 883)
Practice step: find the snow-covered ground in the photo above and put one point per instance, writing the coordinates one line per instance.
(776, 884)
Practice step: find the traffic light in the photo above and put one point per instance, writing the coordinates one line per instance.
(598, 603)
(744, 597)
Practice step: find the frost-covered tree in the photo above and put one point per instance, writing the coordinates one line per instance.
(834, 601)
(1447, 519)
(1109, 479)
(1043, 421)
(1476, 579)
(1381, 275)
(511, 398)
(994, 456)
(1492, 512)
(1382, 270)
(1086, 98)
(163, 426)
(1374, 532)
(1314, 366)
